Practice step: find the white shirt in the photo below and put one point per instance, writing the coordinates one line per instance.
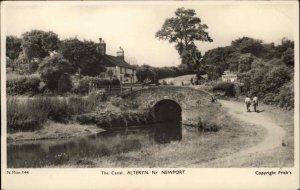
(247, 100)
(255, 99)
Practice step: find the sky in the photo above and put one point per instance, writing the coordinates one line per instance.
(133, 25)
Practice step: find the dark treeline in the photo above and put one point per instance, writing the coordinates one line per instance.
(165, 72)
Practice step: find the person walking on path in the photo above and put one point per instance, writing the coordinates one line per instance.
(255, 102)
(248, 103)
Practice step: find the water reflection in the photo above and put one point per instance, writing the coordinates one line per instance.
(55, 152)
(167, 132)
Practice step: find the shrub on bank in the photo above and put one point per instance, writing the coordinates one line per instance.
(112, 120)
(23, 85)
(205, 126)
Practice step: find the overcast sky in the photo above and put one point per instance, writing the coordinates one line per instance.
(133, 25)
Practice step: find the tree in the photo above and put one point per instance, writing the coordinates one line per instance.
(191, 57)
(249, 45)
(288, 57)
(276, 77)
(13, 49)
(83, 56)
(53, 69)
(285, 44)
(245, 61)
(183, 30)
(38, 44)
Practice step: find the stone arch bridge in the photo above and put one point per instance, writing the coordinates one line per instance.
(185, 96)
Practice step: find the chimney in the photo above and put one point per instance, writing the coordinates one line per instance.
(102, 47)
(120, 54)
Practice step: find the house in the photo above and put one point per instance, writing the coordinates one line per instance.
(229, 77)
(116, 65)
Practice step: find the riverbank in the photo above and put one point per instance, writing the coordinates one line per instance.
(194, 149)
(52, 130)
(224, 148)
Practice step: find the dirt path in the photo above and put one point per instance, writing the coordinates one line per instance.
(273, 138)
(274, 134)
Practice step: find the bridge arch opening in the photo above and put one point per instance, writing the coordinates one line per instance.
(167, 114)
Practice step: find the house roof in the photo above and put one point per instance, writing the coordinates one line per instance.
(115, 61)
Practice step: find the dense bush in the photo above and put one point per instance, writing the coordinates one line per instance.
(23, 85)
(64, 83)
(53, 68)
(285, 98)
(205, 126)
(225, 87)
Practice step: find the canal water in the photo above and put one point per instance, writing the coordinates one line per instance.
(34, 154)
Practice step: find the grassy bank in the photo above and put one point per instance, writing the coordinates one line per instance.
(32, 114)
(52, 130)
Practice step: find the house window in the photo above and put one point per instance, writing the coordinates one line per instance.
(121, 70)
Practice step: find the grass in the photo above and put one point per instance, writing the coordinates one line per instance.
(32, 114)
(52, 130)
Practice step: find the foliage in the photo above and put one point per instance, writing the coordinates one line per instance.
(248, 45)
(183, 30)
(288, 57)
(206, 126)
(52, 69)
(64, 83)
(285, 98)
(83, 56)
(225, 87)
(23, 85)
(191, 57)
(38, 43)
(13, 47)
(276, 77)
(262, 68)
(111, 119)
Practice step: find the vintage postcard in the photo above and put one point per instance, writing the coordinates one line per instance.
(150, 95)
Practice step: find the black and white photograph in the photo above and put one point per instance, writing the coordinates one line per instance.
(150, 85)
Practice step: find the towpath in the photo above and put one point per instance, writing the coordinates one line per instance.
(273, 138)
